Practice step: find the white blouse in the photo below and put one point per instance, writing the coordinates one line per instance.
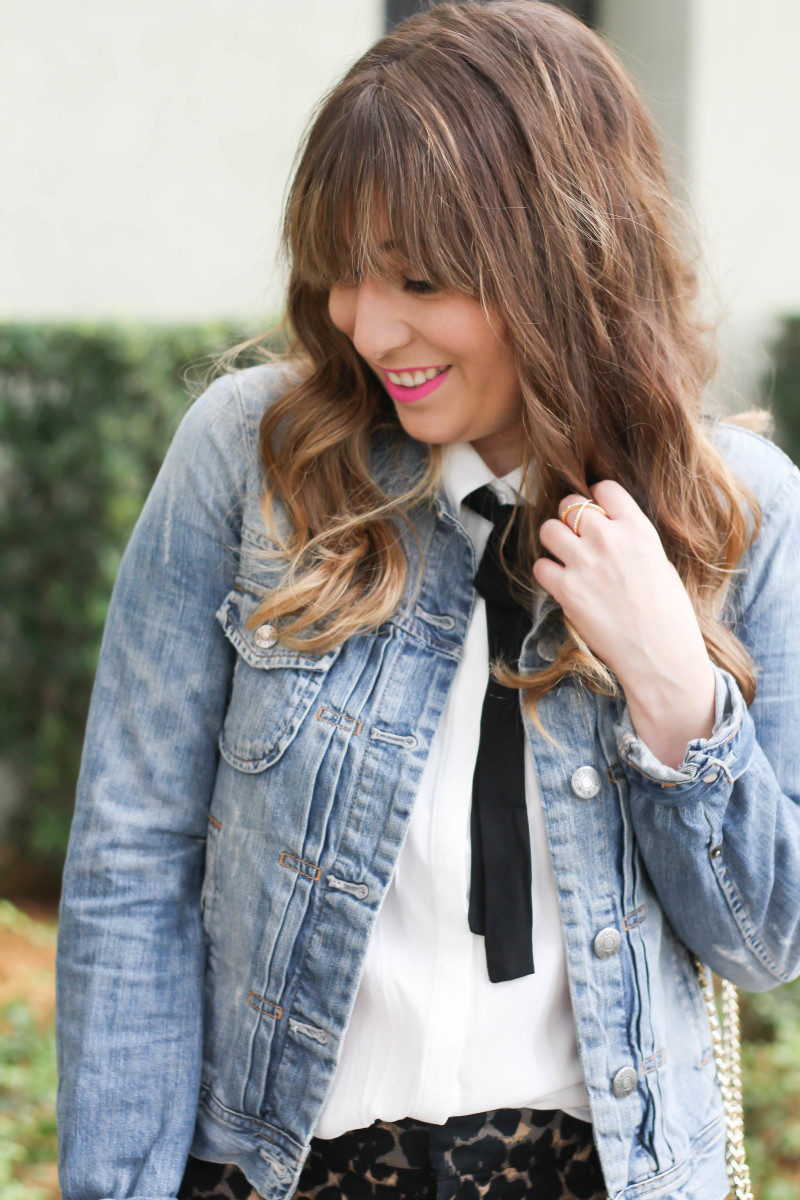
(430, 1036)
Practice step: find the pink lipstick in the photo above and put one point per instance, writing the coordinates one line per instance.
(407, 395)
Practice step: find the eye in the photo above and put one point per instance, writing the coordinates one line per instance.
(420, 286)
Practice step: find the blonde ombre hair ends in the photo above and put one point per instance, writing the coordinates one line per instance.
(513, 160)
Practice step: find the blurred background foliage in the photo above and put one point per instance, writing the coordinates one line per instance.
(86, 416)
(781, 386)
(28, 1151)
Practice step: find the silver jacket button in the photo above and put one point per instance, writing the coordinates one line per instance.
(585, 782)
(607, 942)
(624, 1082)
(265, 636)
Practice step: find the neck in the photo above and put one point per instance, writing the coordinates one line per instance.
(500, 462)
(501, 451)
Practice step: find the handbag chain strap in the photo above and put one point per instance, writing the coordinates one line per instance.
(726, 1040)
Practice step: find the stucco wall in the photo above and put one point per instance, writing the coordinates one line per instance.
(146, 146)
(721, 77)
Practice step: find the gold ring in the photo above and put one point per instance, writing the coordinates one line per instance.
(581, 504)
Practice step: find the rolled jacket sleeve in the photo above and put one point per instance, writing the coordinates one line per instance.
(720, 834)
(130, 957)
(726, 751)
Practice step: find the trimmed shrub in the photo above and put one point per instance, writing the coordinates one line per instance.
(86, 416)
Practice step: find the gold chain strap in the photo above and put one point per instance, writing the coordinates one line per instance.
(726, 1041)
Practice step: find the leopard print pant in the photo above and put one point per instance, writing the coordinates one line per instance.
(504, 1154)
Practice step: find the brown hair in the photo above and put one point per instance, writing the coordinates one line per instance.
(514, 161)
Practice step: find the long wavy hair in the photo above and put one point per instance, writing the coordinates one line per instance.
(515, 162)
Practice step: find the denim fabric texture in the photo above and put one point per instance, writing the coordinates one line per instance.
(241, 807)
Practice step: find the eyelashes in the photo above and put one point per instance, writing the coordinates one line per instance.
(419, 286)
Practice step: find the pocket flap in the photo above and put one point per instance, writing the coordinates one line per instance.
(232, 615)
(272, 689)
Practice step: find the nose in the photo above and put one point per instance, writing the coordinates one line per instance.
(375, 320)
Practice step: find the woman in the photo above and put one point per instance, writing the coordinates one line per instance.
(343, 914)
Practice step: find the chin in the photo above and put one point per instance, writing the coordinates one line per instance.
(432, 430)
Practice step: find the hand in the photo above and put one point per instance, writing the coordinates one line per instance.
(628, 603)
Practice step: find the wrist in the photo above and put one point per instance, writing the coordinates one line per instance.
(654, 692)
(669, 713)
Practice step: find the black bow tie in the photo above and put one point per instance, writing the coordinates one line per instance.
(500, 900)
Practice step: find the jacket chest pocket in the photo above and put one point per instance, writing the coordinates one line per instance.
(272, 691)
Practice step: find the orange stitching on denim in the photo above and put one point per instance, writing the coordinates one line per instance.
(285, 854)
(655, 1061)
(355, 790)
(705, 1061)
(634, 918)
(614, 772)
(207, 1094)
(271, 1010)
(267, 1138)
(338, 719)
(214, 821)
(275, 1142)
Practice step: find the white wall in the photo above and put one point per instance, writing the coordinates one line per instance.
(745, 155)
(652, 39)
(146, 145)
(723, 82)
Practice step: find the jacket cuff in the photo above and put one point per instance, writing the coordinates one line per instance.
(709, 763)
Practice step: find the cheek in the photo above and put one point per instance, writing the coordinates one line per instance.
(498, 349)
(464, 327)
(492, 357)
(340, 309)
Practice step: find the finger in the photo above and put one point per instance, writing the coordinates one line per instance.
(549, 575)
(615, 499)
(556, 537)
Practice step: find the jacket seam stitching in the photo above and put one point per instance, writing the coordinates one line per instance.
(680, 1170)
(743, 924)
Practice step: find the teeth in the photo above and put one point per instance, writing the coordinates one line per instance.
(414, 378)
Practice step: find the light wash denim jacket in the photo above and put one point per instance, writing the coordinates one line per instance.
(241, 808)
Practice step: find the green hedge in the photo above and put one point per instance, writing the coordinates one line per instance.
(781, 386)
(86, 416)
(771, 1020)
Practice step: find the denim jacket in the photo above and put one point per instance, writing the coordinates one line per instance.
(241, 807)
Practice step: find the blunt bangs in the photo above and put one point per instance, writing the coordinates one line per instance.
(373, 200)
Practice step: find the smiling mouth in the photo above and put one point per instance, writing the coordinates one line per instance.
(412, 377)
(408, 393)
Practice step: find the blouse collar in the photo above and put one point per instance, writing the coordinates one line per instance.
(463, 470)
